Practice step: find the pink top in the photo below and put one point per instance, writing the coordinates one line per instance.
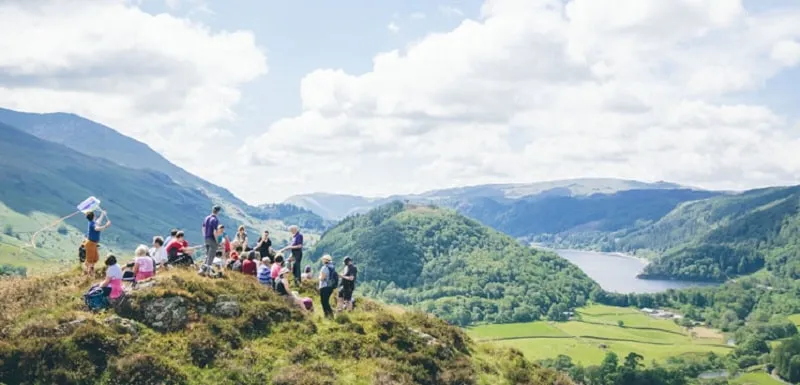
(145, 264)
(276, 270)
(115, 283)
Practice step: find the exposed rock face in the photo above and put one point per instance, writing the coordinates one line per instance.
(123, 325)
(166, 314)
(226, 306)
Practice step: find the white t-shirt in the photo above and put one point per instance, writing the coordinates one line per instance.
(160, 254)
(114, 272)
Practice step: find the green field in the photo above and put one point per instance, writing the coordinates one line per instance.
(588, 339)
(759, 378)
(795, 318)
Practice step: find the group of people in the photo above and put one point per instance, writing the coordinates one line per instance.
(264, 263)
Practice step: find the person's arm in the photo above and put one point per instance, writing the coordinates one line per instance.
(136, 267)
(106, 282)
(105, 225)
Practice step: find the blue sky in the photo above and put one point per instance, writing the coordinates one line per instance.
(274, 98)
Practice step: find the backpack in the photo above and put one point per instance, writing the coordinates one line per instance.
(95, 299)
(333, 277)
(82, 254)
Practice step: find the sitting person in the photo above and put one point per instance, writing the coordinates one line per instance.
(178, 250)
(158, 252)
(144, 266)
(277, 265)
(233, 259)
(112, 285)
(218, 262)
(306, 273)
(264, 273)
(282, 288)
(249, 265)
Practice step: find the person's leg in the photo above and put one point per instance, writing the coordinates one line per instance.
(298, 261)
(325, 297)
(211, 252)
(347, 297)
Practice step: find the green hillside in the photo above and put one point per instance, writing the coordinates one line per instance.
(188, 330)
(725, 236)
(446, 264)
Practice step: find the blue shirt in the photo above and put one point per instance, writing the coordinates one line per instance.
(209, 226)
(92, 234)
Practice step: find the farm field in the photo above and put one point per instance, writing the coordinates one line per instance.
(759, 378)
(596, 332)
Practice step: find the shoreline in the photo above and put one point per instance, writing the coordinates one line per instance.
(617, 254)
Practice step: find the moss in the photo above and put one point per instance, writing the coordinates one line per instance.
(144, 369)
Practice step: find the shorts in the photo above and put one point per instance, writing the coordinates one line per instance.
(92, 255)
(346, 293)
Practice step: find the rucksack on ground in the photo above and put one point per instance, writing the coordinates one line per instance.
(95, 299)
(82, 253)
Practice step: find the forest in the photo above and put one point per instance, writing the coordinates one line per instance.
(452, 266)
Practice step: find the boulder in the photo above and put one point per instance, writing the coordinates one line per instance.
(166, 314)
(122, 325)
(225, 307)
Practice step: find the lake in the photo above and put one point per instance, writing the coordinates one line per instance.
(617, 273)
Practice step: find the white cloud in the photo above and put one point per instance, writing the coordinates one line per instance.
(159, 78)
(546, 89)
(393, 27)
(417, 15)
(786, 52)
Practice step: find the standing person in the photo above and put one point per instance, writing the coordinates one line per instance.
(296, 245)
(93, 239)
(327, 282)
(264, 244)
(210, 232)
(241, 237)
(348, 284)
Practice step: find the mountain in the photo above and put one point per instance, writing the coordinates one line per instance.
(290, 214)
(452, 266)
(183, 329)
(338, 206)
(723, 237)
(97, 140)
(41, 176)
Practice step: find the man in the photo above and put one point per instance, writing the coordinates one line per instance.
(348, 284)
(296, 246)
(93, 239)
(158, 252)
(211, 231)
(264, 244)
(172, 234)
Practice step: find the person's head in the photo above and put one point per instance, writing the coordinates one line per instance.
(326, 259)
(266, 260)
(238, 249)
(141, 251)
(111, 260)
(283, 272)
(293, 229)
(179, 235)
(348, 260)
(173, 232)
(90, 216)
(216, 209)
(241, 228)
(158, 241)
(279, 259)
(219, 254)
(266, 234)
(252, 255)
(221, 227)
(308, 269)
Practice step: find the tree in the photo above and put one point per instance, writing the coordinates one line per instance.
(621, 323)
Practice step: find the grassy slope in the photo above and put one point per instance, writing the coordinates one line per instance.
(270, 341)
(653, 338)
(759, 378)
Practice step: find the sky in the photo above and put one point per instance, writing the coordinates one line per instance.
(275, 98)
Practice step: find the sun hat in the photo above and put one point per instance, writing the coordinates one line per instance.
(284, 271)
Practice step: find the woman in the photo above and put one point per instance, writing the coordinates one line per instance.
(326, 285)
(143, 266)
(241, 237)
(264, 274)
(277, 265)
(306, 273)
(158, 251)
(112, 285)
(93, 239)
(224, 241)
(283, 289)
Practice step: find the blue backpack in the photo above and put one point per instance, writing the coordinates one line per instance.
(95, 299)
